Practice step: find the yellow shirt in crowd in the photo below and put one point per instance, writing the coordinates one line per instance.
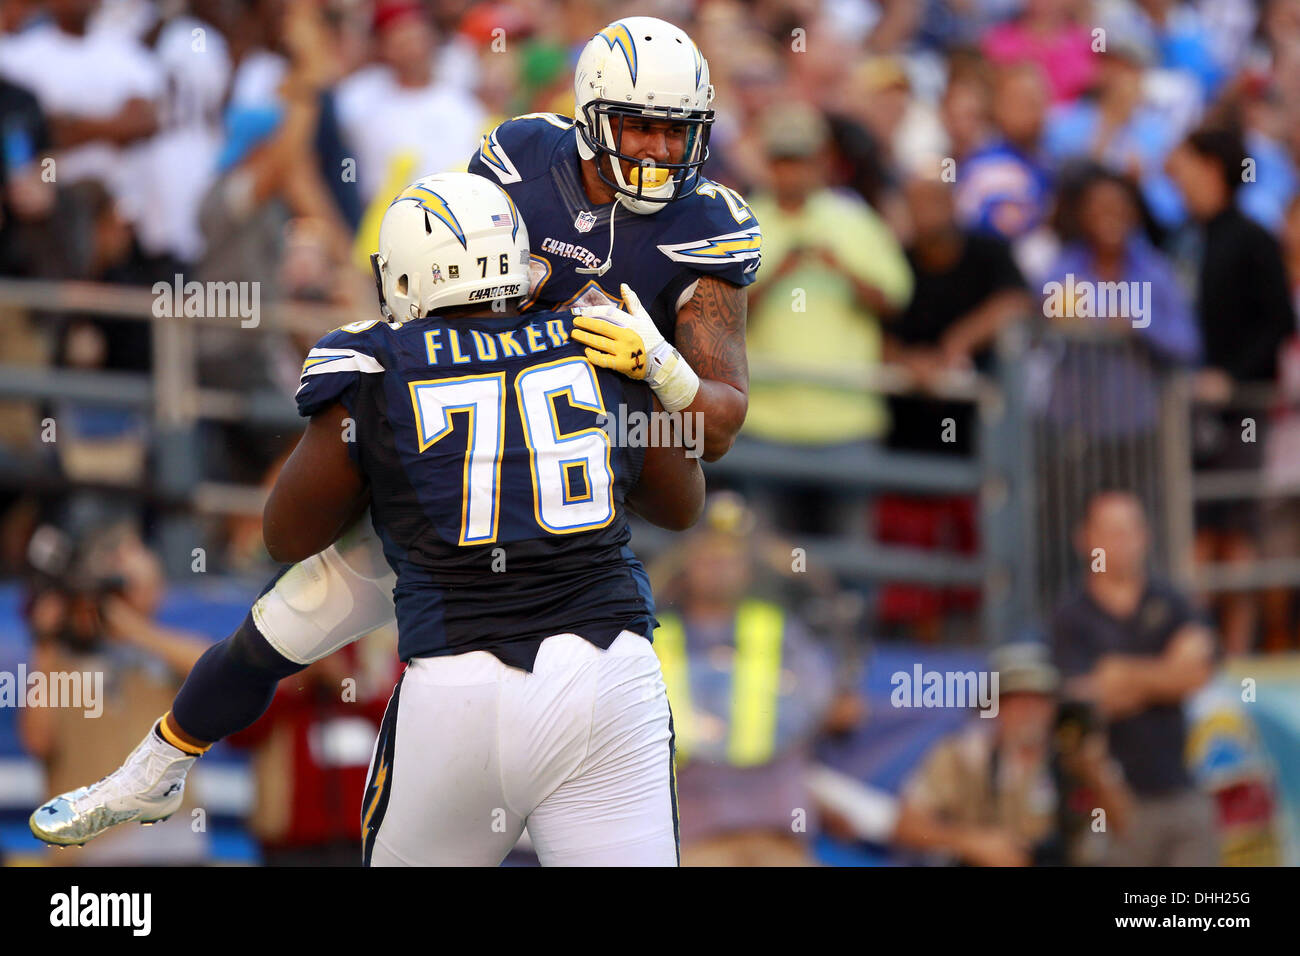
(832, 331)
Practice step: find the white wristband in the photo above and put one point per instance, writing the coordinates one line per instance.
(672, 378)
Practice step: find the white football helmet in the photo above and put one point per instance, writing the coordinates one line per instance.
(641, 66)
(450, 239)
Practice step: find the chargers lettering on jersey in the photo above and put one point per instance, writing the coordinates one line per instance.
(570, 251)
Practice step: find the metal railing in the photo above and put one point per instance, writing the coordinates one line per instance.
(1023, 555)
(1240, 485)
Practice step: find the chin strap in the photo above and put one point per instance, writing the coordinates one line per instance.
(384, 310)
(609, 256)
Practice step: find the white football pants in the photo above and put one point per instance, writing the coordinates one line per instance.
(579, 751)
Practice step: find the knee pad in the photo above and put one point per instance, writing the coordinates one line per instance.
(361, 550)
(329, 600)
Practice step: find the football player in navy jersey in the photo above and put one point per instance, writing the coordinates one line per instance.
(614, 197)
(531, 694)
(614, 200)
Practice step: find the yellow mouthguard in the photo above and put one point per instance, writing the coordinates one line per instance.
(652, 177)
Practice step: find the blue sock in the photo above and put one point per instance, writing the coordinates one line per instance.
(231, 685)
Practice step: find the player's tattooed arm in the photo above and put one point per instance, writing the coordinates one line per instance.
(711, 337)
(319, 492)
(670, 491)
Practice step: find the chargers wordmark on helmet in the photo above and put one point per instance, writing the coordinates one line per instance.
(495, 292)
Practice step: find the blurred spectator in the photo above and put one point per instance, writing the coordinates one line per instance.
(1118, 129)
(98, 443)
(537, 76)
(1243, 286)
(267, 166)
(948, 25)
(1271, 180)
(1133, 647)
(399, 120)
(749, 691)
(1245, 313)
(107, 251)
(1004, 187)
(268, 175)
(1291, 249)
(22, 344)
(862, 157)
(748, 76)
(192, 52)
(99, 89)
(833, 272)
(1282, 462)
(1047, 35)
(964, 109)
(27, 202)
(1230, 24)
(996, 789)
(967, 289)
(898, 130)
(310, 754)
(1176, 36)
(1103, 398)
(1276, 43)
(95, 615)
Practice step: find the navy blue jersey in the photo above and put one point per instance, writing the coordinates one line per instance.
(496, 492)
(709, 230)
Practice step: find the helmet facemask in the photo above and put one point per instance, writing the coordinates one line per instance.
(653, 184)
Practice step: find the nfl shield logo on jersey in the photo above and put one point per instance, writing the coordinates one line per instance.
(437, 274)
(585, 221)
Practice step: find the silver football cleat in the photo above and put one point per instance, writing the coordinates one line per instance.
(148, 787)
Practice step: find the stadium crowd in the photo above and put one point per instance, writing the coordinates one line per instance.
(922, 172)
